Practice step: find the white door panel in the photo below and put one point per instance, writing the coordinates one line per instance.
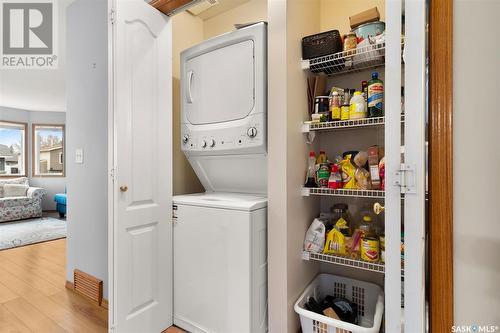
(142, 232)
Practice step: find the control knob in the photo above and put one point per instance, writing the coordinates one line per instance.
(212, 143)
(203, 144)
(252, 132)
(185, 138)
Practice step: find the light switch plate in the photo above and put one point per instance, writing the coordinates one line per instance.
(79, 155)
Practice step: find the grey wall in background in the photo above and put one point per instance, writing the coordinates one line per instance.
(476, 119)
(86, 121)
(53, 185)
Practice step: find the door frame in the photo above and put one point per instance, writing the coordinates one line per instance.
(440, 237)
(111, 168)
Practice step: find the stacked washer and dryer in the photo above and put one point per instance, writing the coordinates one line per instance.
(220, 236)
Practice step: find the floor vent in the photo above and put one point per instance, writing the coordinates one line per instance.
(88, 286)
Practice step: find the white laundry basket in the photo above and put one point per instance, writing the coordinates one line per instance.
(368, 296)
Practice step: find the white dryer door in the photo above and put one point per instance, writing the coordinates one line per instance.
(219, 84)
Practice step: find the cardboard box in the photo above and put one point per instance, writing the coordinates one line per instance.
(370, 15)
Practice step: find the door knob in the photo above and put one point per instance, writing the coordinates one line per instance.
(123, 188)
(378, 208)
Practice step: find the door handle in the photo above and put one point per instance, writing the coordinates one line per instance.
(378, 208)
(123, 188)
(189, 97)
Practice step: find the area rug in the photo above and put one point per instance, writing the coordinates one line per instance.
(31, 231)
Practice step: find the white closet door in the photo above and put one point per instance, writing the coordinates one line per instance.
(415, 160)
(405, 176)
(143, 155)
(393, 162)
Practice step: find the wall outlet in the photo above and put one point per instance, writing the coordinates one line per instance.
(79, 155)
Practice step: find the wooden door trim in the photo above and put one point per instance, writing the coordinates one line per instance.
(441, 165)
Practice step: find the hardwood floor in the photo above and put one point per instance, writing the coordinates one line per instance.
(33, 297)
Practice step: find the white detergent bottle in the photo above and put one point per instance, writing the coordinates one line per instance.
(357, 106)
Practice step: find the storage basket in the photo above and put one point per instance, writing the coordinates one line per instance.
(368, 297)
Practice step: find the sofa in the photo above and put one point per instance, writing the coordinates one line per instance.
(18, 200)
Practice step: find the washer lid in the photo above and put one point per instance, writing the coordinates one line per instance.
(234, 201)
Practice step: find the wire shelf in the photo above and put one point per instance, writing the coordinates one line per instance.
(377, 194)
(345, 124)
(343, 62)
(345, 261)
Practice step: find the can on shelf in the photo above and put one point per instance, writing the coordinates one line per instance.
(370, 249)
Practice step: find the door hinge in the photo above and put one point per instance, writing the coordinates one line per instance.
(405, 179)
(174, 215)
(112, 16)
(112, 174)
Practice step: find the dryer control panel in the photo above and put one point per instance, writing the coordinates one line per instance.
(245, 137)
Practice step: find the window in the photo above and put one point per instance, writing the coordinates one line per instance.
(12, 149)
(48, 150)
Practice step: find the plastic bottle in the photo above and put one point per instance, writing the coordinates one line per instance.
(344, 110)
(357, 106)
(321, 157)
(335, 181)
(364, 89)
(367, 227)
(311, 171)
(335, 106)
(375, 96)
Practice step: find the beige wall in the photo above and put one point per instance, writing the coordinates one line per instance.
(335, 13)
(187, 30)
(254, 10)
(302, 21)
(476, 192)
(289, 213)
(277, 180)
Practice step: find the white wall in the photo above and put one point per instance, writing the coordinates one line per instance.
(53, 185)
(476, 196)
(86, 127)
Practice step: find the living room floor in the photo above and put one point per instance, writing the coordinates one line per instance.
(33, 297)
(52, 213)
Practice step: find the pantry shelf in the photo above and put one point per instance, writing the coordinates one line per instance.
(308, 191)
(365, 57)
(345, 124)
(345, 261)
